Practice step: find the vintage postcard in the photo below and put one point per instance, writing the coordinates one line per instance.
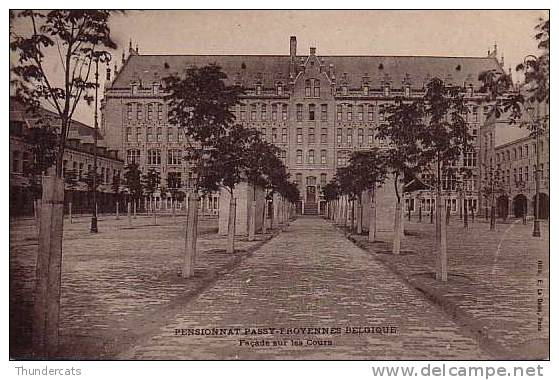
(279, 185)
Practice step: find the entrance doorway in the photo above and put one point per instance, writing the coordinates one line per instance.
(519, 205)
(311, 194)
(503, 206)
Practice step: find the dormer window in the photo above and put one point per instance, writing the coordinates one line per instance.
(407, 91)
(386, 89)
(156, 87)
(344, 89)
(134, 88)
(470, 90)
(308, 88)
(280, 88)
(258, 89)
(366, 90)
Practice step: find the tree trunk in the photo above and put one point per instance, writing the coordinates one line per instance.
(397, 238)
(264, 221)
(129, 212)
(373, 220)
(231, 225)
(46, 308)
(135, 202)
(191, 236)
(117, 212)
(420, 210)
(359, 217)
(465, 213)
(251, 220)
(492, 222)
(154, 214)
(70, 216)
(442, 263)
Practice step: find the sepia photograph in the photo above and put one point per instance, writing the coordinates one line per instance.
(279, 185)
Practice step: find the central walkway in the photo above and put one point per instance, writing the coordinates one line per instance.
(310, 276)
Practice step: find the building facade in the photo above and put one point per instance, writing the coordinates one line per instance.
(316, 109)
(78, 158)
(509, 162)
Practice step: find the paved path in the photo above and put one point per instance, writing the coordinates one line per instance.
(310, 276)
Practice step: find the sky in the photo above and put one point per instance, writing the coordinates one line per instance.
(444, 33)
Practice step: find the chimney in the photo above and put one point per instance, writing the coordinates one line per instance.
(292, 47)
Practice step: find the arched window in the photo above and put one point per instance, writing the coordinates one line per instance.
(323, 156)
(308, 88)
(311, 112)
(360, 136)
(299, 156)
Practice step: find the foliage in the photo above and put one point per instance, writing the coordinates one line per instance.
(331, 190)
(78, 38)
(151, 181)
(133, 180)
(89, 180)
(513, 102)
(200, 102)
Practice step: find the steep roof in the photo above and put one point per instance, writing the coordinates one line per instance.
(19, 113)
(273, 68)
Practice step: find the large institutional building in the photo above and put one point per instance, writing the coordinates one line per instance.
(316, 109)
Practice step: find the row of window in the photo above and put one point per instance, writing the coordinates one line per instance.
(518, 153)
(152, 111)
(311, 180)
(427, 203)
(174, 156)
(311, 156)
(347, 112)
(519, 175)
(78, 168)
(152, 134)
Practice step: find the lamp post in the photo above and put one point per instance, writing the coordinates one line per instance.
(535, 123)
(95, 131)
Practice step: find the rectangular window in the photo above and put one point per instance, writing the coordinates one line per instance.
(298, 178)
(323, 157)
(371, 136)
(274, 135)
(159, 136)
(339, 112)
(339, 136)
(150, 134)
(150, 111)
(324, 136)
(350, 137)
(475, 114)
(371, 112)
(170, 134)
(360, 136)
(129, 111)
(128, 134)
(360, 112)
(139, 115)
(308, 88)
(243, 112)
(299, 112)
(160, 112)
(299, 156)
(299, 135)
(349, 112)
(311, 135)
(311, 156)
(324, 112)
(263, 110)
(138, 134)
(263, 132)
(284, 135)
(316, 92)
(311, 111)
(284, 111)
(274, 112)
(253, 112)
(323, 179)
(381, 115)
